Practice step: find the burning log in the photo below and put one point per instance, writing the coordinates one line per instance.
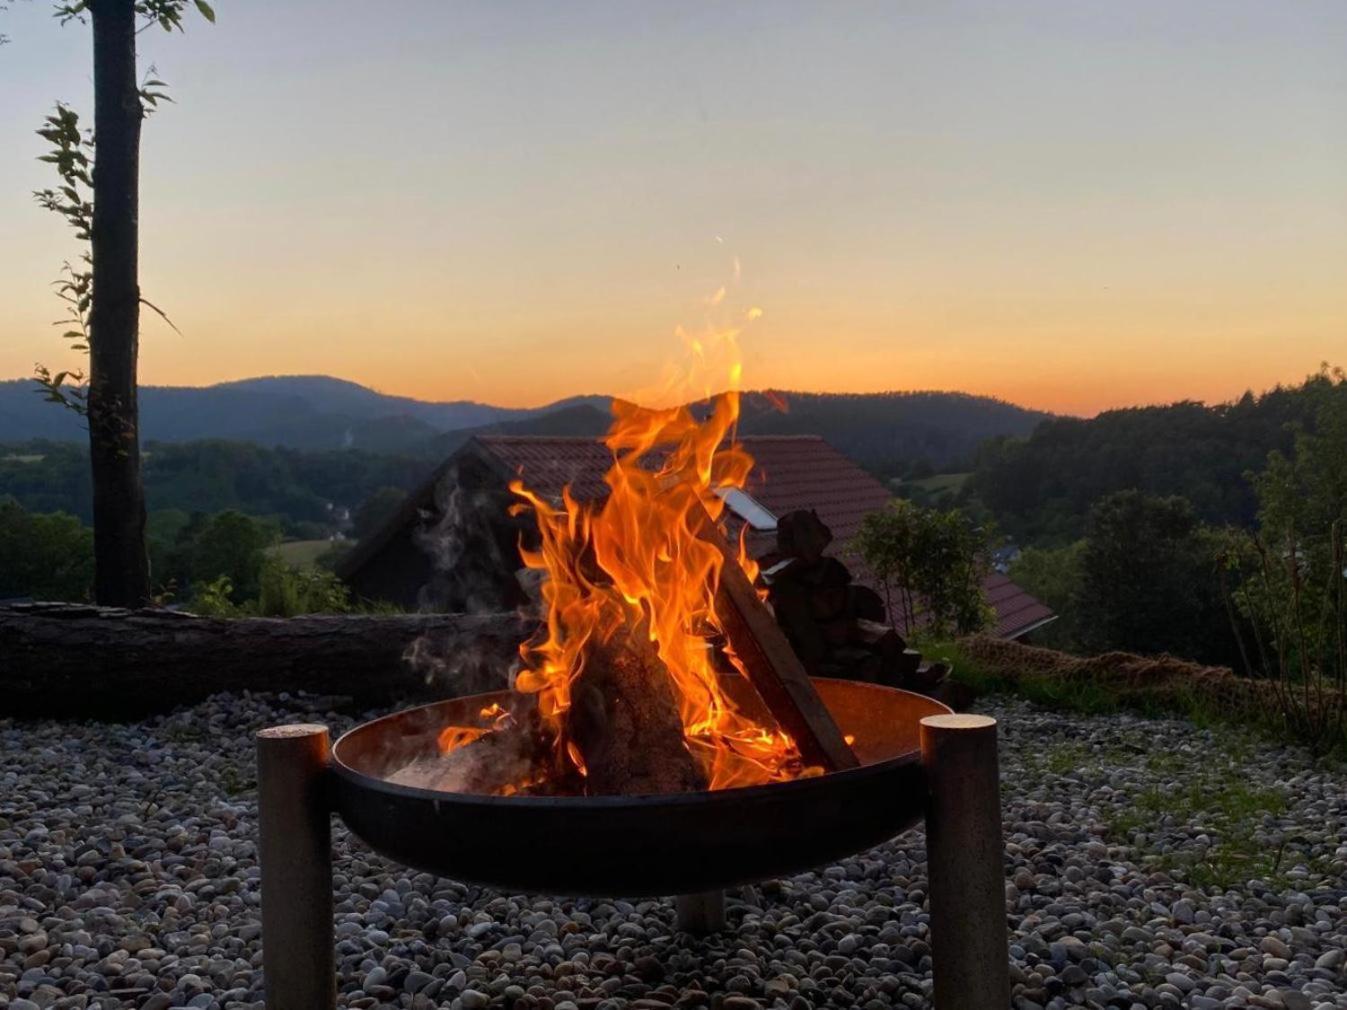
(624, 719)
(772, 666)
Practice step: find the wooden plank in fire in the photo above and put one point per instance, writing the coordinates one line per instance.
(772, 666)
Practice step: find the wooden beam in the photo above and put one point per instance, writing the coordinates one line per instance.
(771, 665)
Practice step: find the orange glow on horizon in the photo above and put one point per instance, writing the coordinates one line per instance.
(1082, 383)
(1068, 206)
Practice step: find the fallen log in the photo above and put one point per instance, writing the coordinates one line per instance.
(74, 661)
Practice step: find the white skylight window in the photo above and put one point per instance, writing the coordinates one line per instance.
(748, 508)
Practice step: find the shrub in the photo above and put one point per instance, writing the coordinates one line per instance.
(930, 564)
(48, 556)
(287, 591)
(283, 591)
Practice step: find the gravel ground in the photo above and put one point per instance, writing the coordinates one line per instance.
(1151, 864)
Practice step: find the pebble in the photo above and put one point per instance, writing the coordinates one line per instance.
(128, 877)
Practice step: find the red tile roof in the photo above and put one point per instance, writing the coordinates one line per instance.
(790, 472)
(1016, 611)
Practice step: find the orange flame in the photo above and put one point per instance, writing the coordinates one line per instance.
(638, 558)
(453, 737)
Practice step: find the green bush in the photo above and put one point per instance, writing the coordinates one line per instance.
(48, 556)
(930, 565)
(1053, 575)
(283, 591)
(287, 591)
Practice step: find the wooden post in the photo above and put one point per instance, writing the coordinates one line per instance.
(965, 854)
(700, 914)
(295, 849)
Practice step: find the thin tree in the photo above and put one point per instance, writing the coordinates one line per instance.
(104, 291)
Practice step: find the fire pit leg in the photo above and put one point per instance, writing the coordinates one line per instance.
(965, 854)
(295, 848)
(701, 913)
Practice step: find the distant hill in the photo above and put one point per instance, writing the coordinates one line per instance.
(292, 447)
(883, 431)
(298, 412)
(580, 420)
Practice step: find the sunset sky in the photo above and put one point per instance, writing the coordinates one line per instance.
(1071, 205)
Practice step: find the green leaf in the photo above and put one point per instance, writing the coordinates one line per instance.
(206, 10)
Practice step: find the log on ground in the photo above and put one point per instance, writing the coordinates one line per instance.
(74, 661)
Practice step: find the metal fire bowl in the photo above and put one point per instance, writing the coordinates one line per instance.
(637, 846)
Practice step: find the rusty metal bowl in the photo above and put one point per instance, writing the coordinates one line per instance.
(637, 846)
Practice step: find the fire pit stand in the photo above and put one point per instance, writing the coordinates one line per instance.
(953, 780)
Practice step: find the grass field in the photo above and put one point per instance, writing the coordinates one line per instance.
(940, 483)
(300, 552)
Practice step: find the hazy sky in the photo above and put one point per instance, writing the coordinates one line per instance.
(1069, 204)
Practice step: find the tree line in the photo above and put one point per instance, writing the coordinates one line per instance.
(1041, 488)
(299, 489)
(1253, 588)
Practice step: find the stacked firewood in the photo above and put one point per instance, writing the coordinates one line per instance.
(838, 627)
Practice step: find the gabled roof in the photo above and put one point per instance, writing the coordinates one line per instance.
(790, 472)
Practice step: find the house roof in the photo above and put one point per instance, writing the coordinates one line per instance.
(789, 472)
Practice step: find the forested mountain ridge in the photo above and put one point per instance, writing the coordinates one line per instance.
(299, 484)
(886, 432)
(300, 412)
(883, 431)
(1041, 488)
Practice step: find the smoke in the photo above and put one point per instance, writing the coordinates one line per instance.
(472, 560)
(461, 662)
(469, 543)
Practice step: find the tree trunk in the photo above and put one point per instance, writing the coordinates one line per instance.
(72, 661)
(121, 566)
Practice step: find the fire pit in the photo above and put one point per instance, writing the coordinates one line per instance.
(917, 759)
(662, 737)
(636, 846)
